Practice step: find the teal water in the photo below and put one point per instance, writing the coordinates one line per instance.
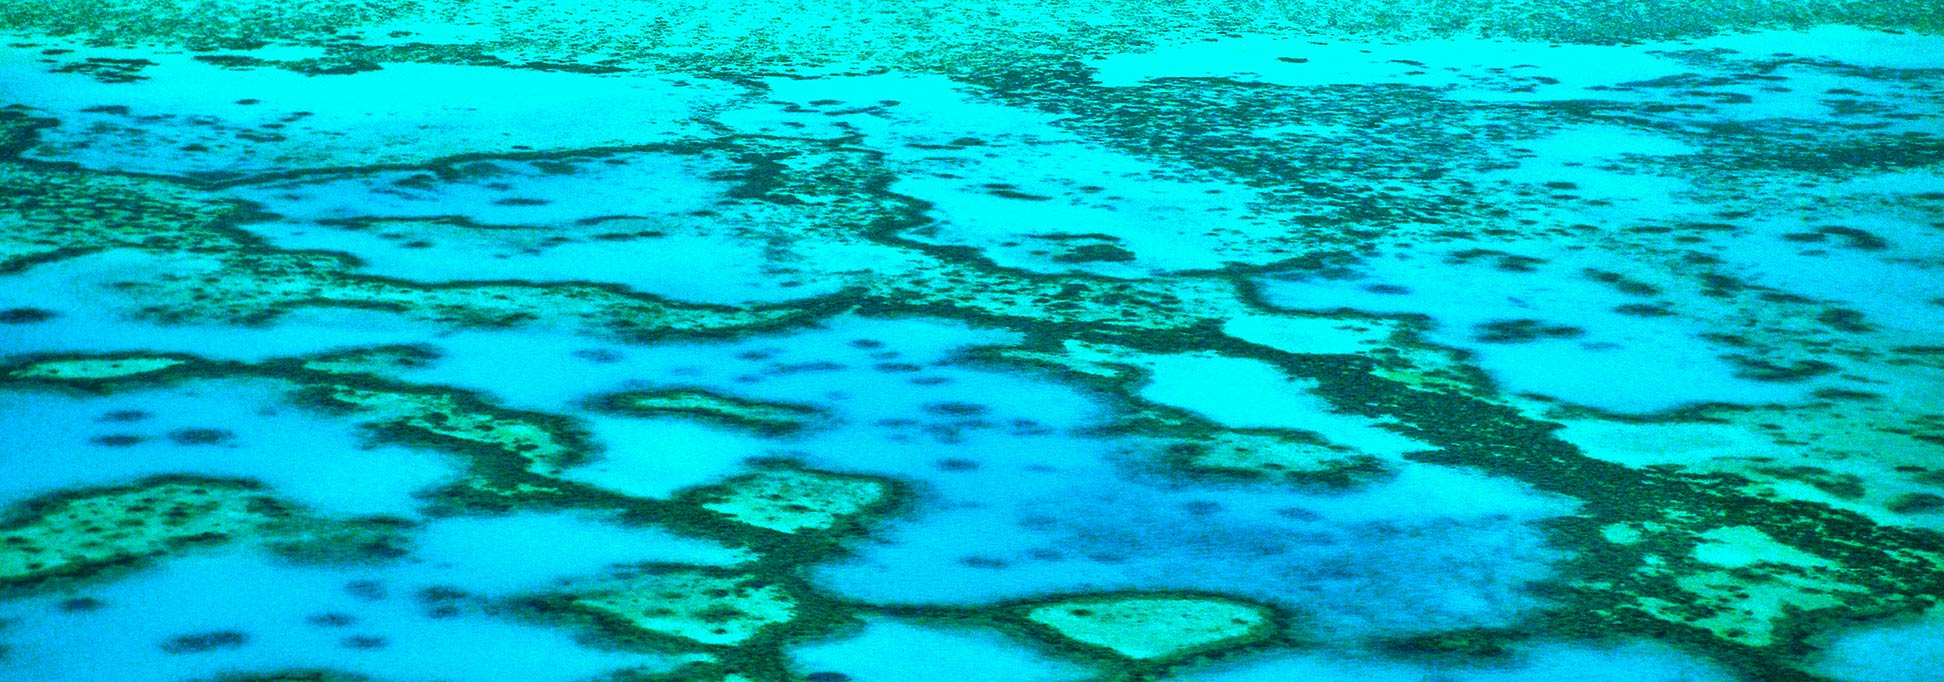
(1088, 340)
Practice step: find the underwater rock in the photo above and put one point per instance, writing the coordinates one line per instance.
(791, 500)
(1157, 627)
(765, 417)
(96, 369)
(75, 533)
(702, 606)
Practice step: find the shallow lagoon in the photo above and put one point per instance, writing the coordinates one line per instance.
(1099, 340)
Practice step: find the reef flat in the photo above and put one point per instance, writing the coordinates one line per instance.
(576, 340)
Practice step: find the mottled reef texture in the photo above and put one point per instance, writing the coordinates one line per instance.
(1746, 560)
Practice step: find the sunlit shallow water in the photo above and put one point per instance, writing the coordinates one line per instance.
(571, 341)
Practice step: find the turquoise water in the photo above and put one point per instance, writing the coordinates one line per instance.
(1088, 340)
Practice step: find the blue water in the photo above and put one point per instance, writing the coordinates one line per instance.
(881, 342)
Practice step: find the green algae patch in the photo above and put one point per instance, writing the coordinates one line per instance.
(1155, 628)
(213, 272)
(381, 361)
(1748, 610)
(78, 532)
(1737, 572)
(512, 454)
(85, 370)
(53, 213)
(704, 607)
(765, 417)
(773, 36)
(790, 500)
(1747, 586)
(543, 445)
(1741, 546)
(1258, 454)
(1624, 533)
(1192, 443)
